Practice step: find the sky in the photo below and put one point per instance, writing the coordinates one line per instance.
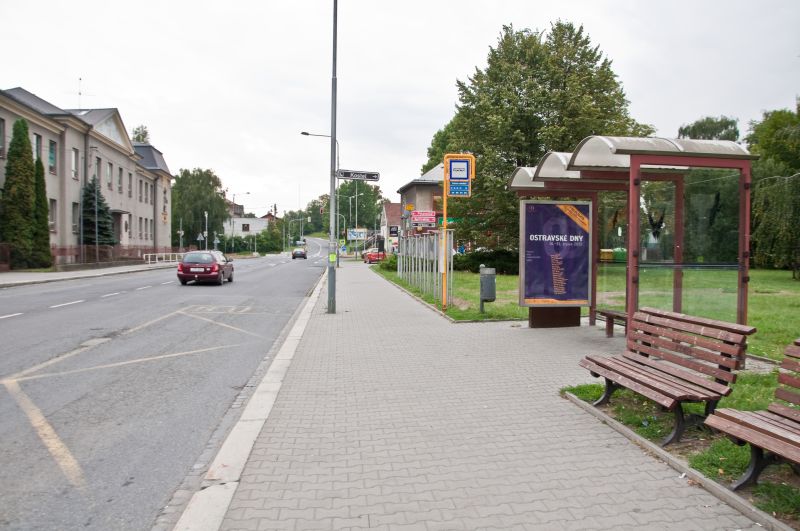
(229, 86)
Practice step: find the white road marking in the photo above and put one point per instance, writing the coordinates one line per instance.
(67, 303)
(165, 283)
(143, 287)
(9, 315)
(110, 294)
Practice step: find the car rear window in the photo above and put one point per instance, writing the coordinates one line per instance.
(198, 258)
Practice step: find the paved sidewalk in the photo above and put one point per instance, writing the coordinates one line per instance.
(391, 417)
(20, 278)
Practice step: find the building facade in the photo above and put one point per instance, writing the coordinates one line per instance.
(423, 194)
(76, 145)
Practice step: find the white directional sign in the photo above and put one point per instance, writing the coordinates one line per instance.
(423, 216)
(358, 175)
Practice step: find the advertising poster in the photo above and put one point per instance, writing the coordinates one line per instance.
(555, 253)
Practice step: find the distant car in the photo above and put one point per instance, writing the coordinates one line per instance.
(205, 266)
(299, 253)
(372, 257)
(370, 250)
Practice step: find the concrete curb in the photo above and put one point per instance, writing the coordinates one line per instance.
(207, 508)
(728, 496)
(79, 277)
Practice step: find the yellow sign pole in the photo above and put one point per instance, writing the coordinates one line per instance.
(444, 236)
(465, 169)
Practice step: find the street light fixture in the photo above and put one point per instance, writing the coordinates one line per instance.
(334, 204)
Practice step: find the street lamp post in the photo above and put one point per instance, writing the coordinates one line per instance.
(334, 205)
(205, 236)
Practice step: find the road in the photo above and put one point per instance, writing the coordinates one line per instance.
(115, 387)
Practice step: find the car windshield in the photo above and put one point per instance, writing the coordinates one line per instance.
(199, 258)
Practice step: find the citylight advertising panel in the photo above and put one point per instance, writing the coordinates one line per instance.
(555, 253)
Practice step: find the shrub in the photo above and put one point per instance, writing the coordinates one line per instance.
(390, 263)
(504, 261)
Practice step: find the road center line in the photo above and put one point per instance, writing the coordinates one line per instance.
(110, 295)
(165, 283)
(9, 315)
(143, 287)
(67, 303)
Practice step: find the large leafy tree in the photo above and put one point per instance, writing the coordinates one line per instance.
(17, 203)
(95, 207)
(40, 231)
(540, 91)
(141, 134)
(711, 128)
(195, 192)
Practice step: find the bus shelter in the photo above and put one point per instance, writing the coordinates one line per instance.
(624, 165)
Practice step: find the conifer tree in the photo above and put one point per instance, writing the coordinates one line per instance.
(104, 226)
(40, 230)
(16, 205)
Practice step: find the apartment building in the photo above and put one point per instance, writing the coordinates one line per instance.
(78, 144)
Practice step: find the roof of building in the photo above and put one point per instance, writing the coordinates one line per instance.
(33, 101)
(93, 116)
(434, 176)
(394, 212)
(151, 158)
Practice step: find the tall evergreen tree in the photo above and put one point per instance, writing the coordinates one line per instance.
(92, 193)
(40, 233)
(16, 206)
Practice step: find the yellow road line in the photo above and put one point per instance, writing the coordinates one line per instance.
(59, 359)
(65, 460)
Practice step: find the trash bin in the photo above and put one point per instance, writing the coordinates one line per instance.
(488, 285)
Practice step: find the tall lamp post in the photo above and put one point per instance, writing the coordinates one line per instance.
(334, 204)
(332, 244)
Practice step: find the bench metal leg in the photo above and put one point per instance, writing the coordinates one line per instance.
(680, 426)
(610, 388)
(758, 462)
(609, 327)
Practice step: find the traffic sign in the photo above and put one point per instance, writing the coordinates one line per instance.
(423, 216)
(358, 175)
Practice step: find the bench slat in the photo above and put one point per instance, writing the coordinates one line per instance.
(676, 342)
(745, 330)
(788, 379)
(785, 394)
(655, 380)
(754, 437)
(790, 365)
(711, 385)
(691, 327)
(656, 397)
(713, 345)
(765, 422)
(684, 362)
(785, 411)
(793, 351)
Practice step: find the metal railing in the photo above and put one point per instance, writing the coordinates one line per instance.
(419, 262)
(154, 258)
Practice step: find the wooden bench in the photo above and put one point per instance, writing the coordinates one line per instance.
(776, 430)
(613, 315)
(672, 359)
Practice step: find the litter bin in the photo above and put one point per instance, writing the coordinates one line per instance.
(488, 285)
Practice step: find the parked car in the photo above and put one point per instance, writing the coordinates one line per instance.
(370, 250)
(299, 253)
(372, 257)
(205, 266)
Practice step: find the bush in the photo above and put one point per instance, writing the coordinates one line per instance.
(390, 263)
(504, 261)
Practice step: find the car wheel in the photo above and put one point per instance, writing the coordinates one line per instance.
(293, 257)
(221, 278)
(230, 278)
(183, 281)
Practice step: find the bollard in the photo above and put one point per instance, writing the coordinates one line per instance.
(488, 285)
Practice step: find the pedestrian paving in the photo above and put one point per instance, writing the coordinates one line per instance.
(20, 278)
(392, 417)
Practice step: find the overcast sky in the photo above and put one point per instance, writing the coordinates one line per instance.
(230, 85)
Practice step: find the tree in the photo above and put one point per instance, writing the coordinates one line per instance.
(141, 134)
(777, 136)
(40, 231)
(711, 128)
(195, 192)
(539, 92)
(17, 203)
(95, 207)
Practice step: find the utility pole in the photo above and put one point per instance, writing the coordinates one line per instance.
(332, 195)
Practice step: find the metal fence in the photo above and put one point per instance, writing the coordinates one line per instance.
(419, 262)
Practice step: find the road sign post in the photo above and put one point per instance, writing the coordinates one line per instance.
(459, 171)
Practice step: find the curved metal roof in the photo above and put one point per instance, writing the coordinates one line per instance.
(613, 152)
(522, 179)
(554, 166)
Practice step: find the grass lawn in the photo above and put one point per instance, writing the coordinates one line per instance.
(773, 299)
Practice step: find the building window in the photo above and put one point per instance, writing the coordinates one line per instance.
(245, 227)
(51, 157)
(51, 215)
(110, 175)
(98, 168)
(140, 228)
(152, 193)
(76, 159)
(140, 190)
(119, 181)
(76, 217)
(2, 138)
(130, 184)
(146, 192)
(37, 146)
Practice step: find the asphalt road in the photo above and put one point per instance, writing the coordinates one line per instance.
(113, 386)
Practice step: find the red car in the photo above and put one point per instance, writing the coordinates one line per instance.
(372, 257)
(205, 266)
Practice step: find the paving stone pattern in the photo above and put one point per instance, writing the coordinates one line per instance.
(391, 417)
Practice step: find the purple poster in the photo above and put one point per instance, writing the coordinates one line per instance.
(555, 253)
